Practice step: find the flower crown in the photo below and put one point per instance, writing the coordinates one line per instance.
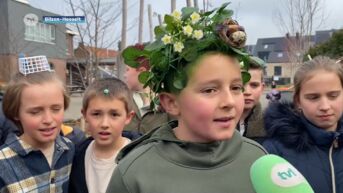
(184, 37)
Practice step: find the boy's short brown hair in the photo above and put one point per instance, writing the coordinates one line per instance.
(108, 88)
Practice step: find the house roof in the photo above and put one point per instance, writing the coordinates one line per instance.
(274, 50)
(100, 52)
(323, 36)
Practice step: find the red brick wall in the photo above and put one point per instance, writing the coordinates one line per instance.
(9, 66)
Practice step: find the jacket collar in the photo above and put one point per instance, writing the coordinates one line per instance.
(200, 155)
(320, 136)
(23, 148)
(284, 123)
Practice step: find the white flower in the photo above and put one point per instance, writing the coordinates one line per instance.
(178, 47)
(187, 30)
(166, 39)
(176, 15)
(195, 17)
(241, 64)
(198, 34)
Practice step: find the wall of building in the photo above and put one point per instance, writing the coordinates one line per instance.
(286, 71)
(59, 67)
(9, 66)
(18, 44)
(3, 28)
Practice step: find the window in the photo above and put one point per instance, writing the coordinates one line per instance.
(40, 33)
(280, 55)
(265, 46)
(52, 66)
(277, 70)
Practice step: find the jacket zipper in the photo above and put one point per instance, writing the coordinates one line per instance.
(332, 168)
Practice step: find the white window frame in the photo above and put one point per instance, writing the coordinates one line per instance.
(41, 32)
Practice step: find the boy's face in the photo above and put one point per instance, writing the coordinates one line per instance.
(253, 89)
(131, 78)
(211, 104)
(41, 113)
(106, 119)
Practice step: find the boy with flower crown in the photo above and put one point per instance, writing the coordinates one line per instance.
(199, 81)
(145, 118)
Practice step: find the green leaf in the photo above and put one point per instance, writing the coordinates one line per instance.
(159, 32)
(144, 76)
(205, 42)
(190, 52)
(222, 14)
(178, 84)
(245, 76)
(238, 51)
(156, 45)
(180, 80)
(225, 14)
(187, 12)
(131, 54)
(223, 6)
(256, 60)
(208, 13)
(159, 61)
(169, 20)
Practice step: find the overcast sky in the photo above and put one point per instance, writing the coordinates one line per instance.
(255, 15)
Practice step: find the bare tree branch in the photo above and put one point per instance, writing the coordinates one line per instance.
(297, 18)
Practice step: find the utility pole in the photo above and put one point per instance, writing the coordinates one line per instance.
(173, 5)
(141, 18)
(150, 23)
(196, 4)
(160, 19)
(189, 3)
(121, 65)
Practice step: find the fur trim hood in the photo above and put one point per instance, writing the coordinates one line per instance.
(285, 124)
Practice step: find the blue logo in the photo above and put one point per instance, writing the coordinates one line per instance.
(287, 174)
(63, 19)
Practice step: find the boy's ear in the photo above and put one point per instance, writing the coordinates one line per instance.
(263, 85)
(141, 69)
(296, 101)
(169, 103)
(129, 117)
(83, 112)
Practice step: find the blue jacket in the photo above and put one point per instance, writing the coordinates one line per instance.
(77, 183)
(6, 126)
(306, 146)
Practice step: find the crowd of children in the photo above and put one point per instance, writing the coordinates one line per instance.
(202, 134)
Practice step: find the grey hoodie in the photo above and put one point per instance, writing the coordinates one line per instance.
(160, 163)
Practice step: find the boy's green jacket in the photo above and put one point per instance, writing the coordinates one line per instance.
(160, 163)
